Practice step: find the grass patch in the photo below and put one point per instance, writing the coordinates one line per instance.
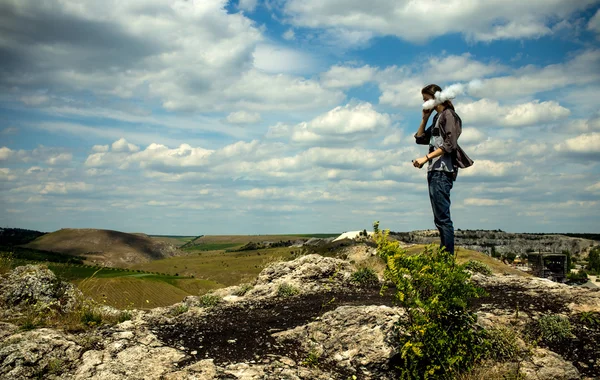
(211, 247)
(210, 300)
(365, 277)
(286, 290)
(478, 267)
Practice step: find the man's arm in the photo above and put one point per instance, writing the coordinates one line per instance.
(422, 136)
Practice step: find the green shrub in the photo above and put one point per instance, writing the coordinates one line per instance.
(438, 337)
(243, 289)
(55, 366)
(91, 317)
(577, 278)
(124, 316)
(554, 328)
(589, 318)
(287, 290)
(502, 342)
(181, 308)
(365, 277)
(478, 267)
(312, 359)
(210, 300)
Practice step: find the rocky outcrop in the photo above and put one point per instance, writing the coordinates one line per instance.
(353, 338)
(43, 353)
(34, 284)
(327, 330)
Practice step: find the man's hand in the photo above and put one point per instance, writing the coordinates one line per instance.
(419, 162)
(427, 113)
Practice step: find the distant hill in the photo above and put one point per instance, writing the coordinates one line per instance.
(105, 247)
(10, 237)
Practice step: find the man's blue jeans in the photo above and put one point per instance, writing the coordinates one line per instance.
(440, 184)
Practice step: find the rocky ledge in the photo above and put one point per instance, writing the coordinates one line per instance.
(320, 326)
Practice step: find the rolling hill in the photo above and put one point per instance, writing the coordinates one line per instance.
(105, 247)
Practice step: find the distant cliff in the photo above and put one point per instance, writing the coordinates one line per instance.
(504, 242)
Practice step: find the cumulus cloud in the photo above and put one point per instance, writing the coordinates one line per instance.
(248, 5)
(488, 113)
(346, 77)
(289, 35)
(122, 145)
(587, 144)
(59, 159)
(480, 21)
(243, 117)
(343, 123)
(487, 168)
(5, 153)
(189, 55)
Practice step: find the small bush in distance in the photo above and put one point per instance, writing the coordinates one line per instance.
(243, 289)
(478, 267)
(365, 277)
(210, 300)
(554, 328)
(502, 343)
(287, 290)
(577, 278)
(91, 317)
(180, 309)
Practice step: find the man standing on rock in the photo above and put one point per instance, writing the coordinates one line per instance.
(444, 157)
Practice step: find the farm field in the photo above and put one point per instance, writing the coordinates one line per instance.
(220, 267)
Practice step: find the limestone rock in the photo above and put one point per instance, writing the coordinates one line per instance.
(36, 284)
(350, 337)
(33, 353)
(311, 273)
(547, 365)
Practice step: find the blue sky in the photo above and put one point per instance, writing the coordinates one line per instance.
(215, 117)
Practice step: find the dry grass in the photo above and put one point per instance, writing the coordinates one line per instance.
(243, 239)
(223, 268)
(464, 255)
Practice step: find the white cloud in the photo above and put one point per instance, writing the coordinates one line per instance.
(346, 77)
(394, 138)
(243, 117)
(485, 202)
(35, 100)
(280, 59)
(491, 113)
(59, 159)
(289, 35)
(100, 148)
(594, 23)
(5, 153)
(6, 175)
(479, 20)
(248, 5)
(585, 144)
(595, 188)
(190, 55)
(471, 135)
(65, 188)
(345, 123)
(122, 145)
(487, 168)
(531, 79)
